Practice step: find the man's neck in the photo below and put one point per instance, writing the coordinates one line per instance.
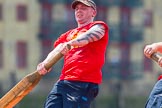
(84, 24)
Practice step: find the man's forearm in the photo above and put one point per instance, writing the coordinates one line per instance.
(93, 34)
(56, 50)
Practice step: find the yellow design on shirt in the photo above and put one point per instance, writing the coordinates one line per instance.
(76, 33)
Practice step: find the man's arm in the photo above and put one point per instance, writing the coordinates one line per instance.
(93, 34)
(55, 54)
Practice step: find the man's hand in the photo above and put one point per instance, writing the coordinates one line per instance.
(149, 50)
(41, 69)
(65, 47)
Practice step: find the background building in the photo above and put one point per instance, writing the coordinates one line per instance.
(28, 29)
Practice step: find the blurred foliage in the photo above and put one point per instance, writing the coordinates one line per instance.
(37, 101)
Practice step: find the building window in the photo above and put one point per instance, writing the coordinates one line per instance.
(1, 54)
(46, 14)
(46, 48)
(148, 66)
(1, 12)
(59, 12)
(125, 13)
(125, 61)
(70, 20)
(45, 24)
(148, 18)
(22, 12)
(114, 33)
(103, 13)
(21, 49)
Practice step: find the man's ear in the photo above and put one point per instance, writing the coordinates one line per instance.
(94, 13)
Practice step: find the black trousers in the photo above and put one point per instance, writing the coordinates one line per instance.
(71, 94)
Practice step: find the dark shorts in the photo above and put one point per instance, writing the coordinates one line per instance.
(155, 98)
(71, 94)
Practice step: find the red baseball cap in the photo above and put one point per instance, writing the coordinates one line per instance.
(89, 3)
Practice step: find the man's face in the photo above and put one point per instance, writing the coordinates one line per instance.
(84, 13)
